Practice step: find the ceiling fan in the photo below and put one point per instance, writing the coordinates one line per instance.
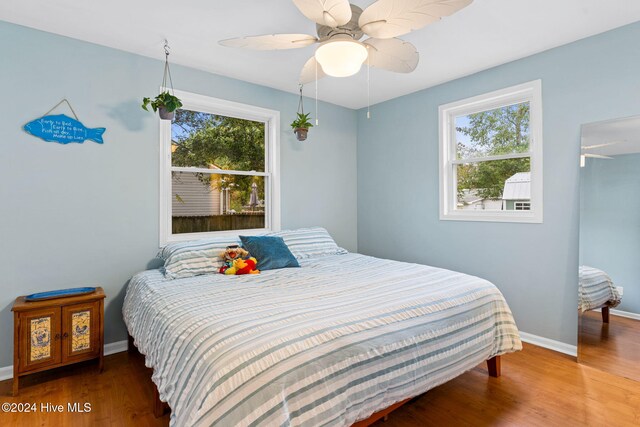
(341, 25)
(583, 155)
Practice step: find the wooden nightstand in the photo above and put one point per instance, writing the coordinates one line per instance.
(56, 332)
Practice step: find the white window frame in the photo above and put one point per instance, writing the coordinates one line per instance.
(527, 92)
(271, 174)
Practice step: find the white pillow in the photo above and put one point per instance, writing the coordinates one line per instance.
(195, 257)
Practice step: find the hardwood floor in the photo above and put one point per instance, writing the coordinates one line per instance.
(538, 387)
(121, 396)
(613, 347)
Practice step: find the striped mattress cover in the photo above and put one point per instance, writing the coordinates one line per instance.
(596, 289)
(329, 343)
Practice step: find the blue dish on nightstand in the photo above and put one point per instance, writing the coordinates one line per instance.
(59, 293)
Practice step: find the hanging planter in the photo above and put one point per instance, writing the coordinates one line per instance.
(166, 103)
(166, 114)
(301, 124)
(301, 133)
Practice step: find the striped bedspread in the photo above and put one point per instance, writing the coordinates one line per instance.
(596, 289)
(329, 343)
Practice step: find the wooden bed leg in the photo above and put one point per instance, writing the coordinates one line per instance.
(158, 405)
(494, 366)
(380, 415)
(605, 314)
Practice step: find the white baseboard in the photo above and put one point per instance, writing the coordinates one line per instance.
(627, 314)
(571, 350)
(6, 372)
(621, 313)
(115, 347)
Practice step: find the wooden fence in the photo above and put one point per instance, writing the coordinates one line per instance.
(199, 224)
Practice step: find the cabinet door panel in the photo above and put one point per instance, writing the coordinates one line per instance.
(39, 338)
(80, 331)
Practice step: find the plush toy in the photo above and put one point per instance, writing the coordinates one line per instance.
(237, 261)
(233, 253)
(243, 266)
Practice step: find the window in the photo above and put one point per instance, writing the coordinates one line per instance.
(491, 156)
(219, 171)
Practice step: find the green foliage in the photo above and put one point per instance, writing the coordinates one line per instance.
(302, 121)
(501, 131)
(164, 99)
(203, 139)
(488, 178)
(207, 140)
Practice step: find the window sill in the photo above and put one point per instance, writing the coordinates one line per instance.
(492, 217)
(214, 234)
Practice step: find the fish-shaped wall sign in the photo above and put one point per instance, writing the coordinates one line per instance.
(63, 129)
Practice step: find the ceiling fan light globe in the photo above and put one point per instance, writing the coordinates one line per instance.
(341, 58)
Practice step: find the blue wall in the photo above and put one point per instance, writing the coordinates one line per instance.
(87, 214)
(534, 265)
(610, 222)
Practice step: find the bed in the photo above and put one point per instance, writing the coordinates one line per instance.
(329, 343)
(596, 291)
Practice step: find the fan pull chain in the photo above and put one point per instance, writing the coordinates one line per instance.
(300, 103)
(317, 122)
(368, 88)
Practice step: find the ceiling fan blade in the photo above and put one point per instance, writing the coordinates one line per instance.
(325, 12)
(606, 144)
(385, 19)
(392, 55)
(271, 41)
(308, 73)
(597, 156)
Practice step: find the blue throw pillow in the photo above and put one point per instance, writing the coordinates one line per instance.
(270, 251)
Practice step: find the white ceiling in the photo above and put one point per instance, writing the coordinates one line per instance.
(483, 35)
(623, 135)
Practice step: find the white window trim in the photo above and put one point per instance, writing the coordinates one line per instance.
(223, 107)
(527, 92)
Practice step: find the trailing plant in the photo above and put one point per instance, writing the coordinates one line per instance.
(164, 99)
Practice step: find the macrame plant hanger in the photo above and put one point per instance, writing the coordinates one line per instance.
(165, 103)
(301, 132)
(166, 77)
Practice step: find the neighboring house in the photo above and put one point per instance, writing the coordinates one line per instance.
(192, 197)
(470, 200)
(515, 196)
(517, 192)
